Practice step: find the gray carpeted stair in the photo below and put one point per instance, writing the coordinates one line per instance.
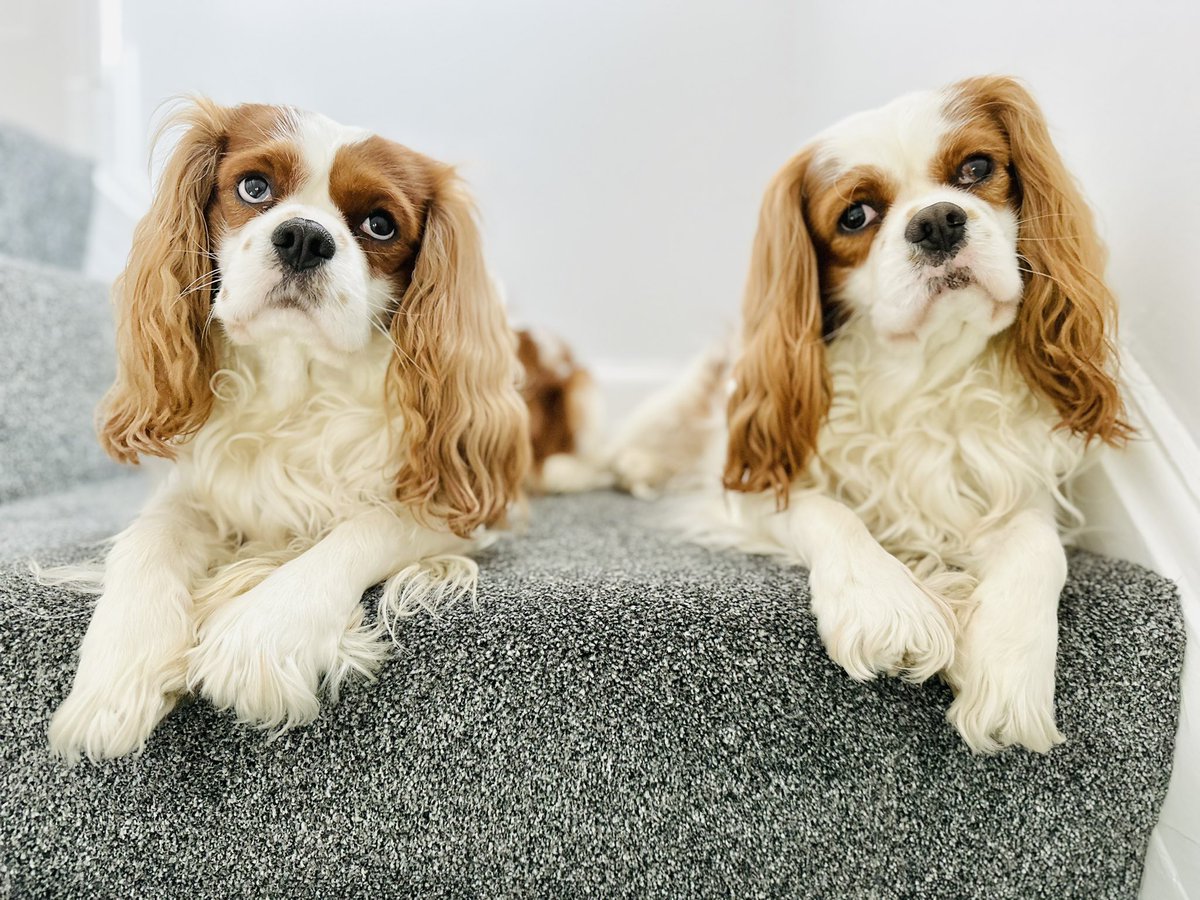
(45, 200)
(623, 715)
(56, 326)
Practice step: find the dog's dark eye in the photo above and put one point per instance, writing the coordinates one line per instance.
(857, 217)
(974, 170)
(254, 189)
(379, 225)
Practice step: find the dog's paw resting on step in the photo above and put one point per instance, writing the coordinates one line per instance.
(268, 653)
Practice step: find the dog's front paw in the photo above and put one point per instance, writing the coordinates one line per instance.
(1000, 704)
(267, 654)
(875, 616)
(112, 709)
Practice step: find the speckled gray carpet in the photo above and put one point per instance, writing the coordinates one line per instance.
(621, 716)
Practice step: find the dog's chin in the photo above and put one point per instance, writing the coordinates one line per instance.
(286, 295)
(288, 320)
(958, 299)
(948, 297)
(268, 323)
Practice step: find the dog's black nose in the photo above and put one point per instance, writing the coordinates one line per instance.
(302, 244)
(938, 228)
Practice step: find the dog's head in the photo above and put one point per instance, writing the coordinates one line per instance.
(940, 211)
(271, 222)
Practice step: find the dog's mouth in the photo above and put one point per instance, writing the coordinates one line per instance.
(302, 291)
(949, 278)
(281, 307)
(288, 295)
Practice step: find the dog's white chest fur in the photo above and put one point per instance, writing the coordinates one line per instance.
(293, 445)
(936, 449)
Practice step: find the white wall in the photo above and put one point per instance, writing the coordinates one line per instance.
(618, 149)
(48, 62)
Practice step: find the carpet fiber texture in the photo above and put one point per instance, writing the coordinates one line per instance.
(621, 715)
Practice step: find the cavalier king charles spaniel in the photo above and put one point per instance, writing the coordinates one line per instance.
(926, 355)
(307, 330)
(566, 417)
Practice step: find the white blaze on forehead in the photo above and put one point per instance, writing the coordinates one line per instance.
(900, 138)
(318, 139)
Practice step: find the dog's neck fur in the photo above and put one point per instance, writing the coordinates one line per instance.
(933, 444)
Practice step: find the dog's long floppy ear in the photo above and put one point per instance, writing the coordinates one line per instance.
(1063, 336)
(781, 392)
(163, 299)
(454, 376)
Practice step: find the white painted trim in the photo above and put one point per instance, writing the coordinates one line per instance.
(1156, 485)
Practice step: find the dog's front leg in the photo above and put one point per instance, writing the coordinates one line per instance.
(131, 661)
(1003, 674)
(872, 613)
(265, 653)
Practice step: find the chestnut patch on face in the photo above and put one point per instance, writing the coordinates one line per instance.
(839, 251)
(377, 176)
(979, 137)
(256, 143)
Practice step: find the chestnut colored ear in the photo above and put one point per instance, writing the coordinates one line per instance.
(781, 393)
(163, 300)
(454, 376)
(1063, 336)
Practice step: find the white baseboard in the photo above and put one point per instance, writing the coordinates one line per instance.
(1145, 505)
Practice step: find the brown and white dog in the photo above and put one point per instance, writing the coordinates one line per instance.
(307, 329)
(926, 354)
(566, 417)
